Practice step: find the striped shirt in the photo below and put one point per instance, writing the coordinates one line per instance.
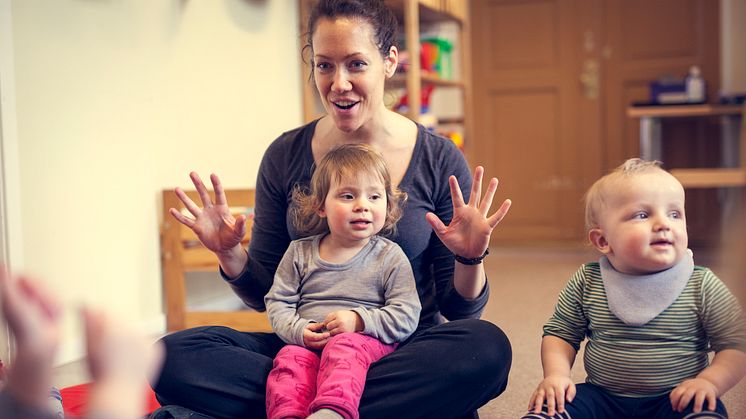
(648, 360)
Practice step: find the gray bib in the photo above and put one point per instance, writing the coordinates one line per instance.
(637, 299)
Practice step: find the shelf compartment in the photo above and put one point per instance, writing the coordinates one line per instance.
(400, 80)
(710, 178)
(432, 11)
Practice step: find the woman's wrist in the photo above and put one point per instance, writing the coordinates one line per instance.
(471, 261)
(469, 280)
(233, 261)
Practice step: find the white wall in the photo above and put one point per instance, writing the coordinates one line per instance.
(117, 100)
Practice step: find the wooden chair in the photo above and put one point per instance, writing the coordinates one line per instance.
(182, 252)
(718, 177)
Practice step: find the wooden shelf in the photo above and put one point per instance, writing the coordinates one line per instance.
(400, 80)
(716, 177)
(710, 178)
(682, 111)
(450, 120)
(433, 11)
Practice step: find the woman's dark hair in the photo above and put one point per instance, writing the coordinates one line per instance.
(375, 12)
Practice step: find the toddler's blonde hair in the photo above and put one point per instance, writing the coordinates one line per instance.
(595, 197)
(348, 161)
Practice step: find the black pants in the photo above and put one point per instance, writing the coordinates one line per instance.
(593, 402)
(445, 371)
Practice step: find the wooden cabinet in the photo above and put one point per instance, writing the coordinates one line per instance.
(414, 16)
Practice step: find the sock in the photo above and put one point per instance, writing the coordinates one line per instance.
(55, 403)
(325, 414)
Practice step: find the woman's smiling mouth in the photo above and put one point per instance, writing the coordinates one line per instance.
(345, 104)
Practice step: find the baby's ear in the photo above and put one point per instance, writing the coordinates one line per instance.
(598, 240)
(321, 213)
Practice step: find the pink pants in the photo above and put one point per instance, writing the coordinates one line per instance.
(300, 384)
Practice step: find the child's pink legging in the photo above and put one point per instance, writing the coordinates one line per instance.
(300, 384)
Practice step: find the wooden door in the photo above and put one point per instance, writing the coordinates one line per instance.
(551, 83)
(536, 129)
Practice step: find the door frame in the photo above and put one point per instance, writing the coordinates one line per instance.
(10, 203)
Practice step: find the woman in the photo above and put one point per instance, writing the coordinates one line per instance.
(443, 370)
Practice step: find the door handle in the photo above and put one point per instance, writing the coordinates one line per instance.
(590, 79)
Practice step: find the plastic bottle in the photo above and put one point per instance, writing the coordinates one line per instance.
(695, 86)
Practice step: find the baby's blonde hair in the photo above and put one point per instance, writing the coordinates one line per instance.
(595, 197)
(348, 161)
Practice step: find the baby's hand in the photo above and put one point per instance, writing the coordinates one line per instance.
(315, 336)
(342, 321)
(697, 389)
(554, 389)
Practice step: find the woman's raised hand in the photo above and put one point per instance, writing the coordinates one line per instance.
(468, 234)
(213, 223)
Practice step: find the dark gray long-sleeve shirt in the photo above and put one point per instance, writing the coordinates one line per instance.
(376, 283)
(289, 162)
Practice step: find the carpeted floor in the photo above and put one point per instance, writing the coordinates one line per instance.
(524, 286)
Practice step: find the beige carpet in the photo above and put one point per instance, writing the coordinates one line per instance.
(525, 284)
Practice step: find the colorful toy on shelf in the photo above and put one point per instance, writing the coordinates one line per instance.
(435, 56)
(456, 137)
(403, 105)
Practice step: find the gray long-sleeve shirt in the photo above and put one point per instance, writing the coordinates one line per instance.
(377, 283)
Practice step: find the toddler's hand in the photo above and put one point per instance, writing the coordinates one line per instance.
(116, 352)
(121, 361)
(34, 316)
(343, 321)
(697, 389)
(553, 390)
(315, 337)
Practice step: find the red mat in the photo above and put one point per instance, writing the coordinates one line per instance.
(75, 399)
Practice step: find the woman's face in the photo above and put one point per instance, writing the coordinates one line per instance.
(349, 71)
